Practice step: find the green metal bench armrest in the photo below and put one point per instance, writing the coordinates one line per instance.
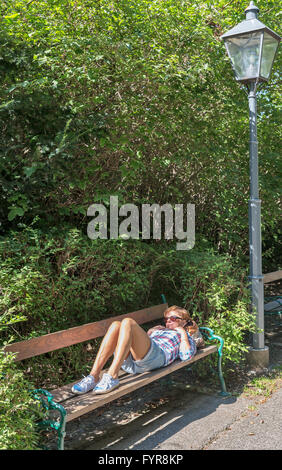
(49, 404)
(208, 334)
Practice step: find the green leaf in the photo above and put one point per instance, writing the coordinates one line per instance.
(28, 171)
(14, 212)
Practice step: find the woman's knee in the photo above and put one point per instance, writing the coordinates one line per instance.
(128, 322)
(114, 326)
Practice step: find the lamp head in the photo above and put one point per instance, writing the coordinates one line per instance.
(251, 47)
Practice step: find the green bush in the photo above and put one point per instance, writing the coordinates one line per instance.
(18, 410)
(212, 288)
(61, 278)
(137, 99)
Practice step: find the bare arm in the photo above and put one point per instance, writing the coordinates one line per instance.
(184, 342)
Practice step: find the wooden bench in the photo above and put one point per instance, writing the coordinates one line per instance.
(70, 406)
(271, 277)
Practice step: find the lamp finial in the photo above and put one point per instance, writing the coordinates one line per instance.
(252, 11)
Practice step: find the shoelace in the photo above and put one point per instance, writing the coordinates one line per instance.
(85, 380)
(106, 380)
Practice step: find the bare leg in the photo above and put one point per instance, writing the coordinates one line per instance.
(131, 338)
(106, 349)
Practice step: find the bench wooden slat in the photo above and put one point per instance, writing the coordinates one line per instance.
(82, 404)
(61, 339)
(270, 277)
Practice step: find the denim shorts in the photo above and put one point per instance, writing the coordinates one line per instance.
(154, 359)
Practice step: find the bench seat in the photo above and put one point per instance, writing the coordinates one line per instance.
(77, 405)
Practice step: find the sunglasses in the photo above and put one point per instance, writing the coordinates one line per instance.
(173, 318)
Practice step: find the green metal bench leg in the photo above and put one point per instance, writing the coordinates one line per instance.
(224, 392)
(61, 434)
(209, 334)
(60, 426)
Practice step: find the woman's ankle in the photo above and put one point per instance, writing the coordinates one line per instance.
(95, 375)
(113, 373)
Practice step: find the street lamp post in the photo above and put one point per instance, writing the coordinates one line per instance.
(251, 47)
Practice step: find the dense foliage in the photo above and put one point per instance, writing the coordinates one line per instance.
(56, 279)
(18, 410)
(133, 98)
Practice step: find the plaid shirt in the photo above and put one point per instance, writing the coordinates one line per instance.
(169, 341)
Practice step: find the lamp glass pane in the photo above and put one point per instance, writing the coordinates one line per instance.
(269, 47)
(244, 52)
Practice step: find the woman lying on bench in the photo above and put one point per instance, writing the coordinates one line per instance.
(136, 351)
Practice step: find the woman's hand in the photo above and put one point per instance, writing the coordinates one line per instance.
(180, 329)
(158, 327)
(184, 342)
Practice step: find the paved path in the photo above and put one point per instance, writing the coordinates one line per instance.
(204, 422)
(261, 429)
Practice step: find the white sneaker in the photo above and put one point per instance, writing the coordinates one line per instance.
(106, 384)
(85, 385)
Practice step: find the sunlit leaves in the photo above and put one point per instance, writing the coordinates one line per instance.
(93, 84)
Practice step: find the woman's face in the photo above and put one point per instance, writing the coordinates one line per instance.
(173, 320)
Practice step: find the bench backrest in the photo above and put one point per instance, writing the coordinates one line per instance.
(271, 277)
(61, 339)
